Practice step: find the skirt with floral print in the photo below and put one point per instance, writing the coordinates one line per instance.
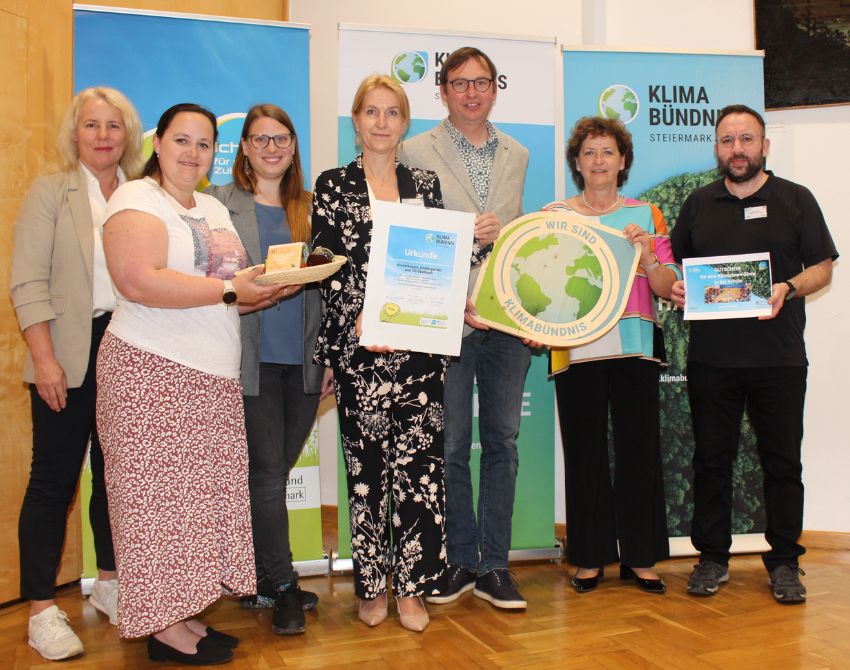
(176, 465)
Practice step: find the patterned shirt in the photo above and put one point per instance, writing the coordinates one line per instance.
(477, 160)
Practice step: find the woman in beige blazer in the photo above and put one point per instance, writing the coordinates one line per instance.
(63, 298)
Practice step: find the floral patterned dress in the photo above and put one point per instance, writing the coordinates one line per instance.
(390, 405)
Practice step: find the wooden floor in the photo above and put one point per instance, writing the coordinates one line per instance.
(616, 626)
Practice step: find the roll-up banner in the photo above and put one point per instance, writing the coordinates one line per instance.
(161, 59)
(525, 110)
(669, 103)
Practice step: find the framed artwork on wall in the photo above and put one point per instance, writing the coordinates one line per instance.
(807, 51)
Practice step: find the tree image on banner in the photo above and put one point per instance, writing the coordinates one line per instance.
(676, 432)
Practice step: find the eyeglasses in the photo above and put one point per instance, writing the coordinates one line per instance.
(481, 84)
(282, 141)
(746, 140)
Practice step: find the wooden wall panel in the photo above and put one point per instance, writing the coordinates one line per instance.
(36, 39)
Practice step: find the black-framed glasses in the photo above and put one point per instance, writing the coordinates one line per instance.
(282, 141)
(481, 84)
(747, 140)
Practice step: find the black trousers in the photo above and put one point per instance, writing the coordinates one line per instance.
(59, 441)
(632, 511)
(773, 398)
(391, 426)
(277, 422)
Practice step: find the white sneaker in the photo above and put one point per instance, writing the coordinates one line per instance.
(52, 637)
(104, 597)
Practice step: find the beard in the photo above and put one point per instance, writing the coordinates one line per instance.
(753, 168)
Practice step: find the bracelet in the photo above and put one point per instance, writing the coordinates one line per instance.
(651, 266)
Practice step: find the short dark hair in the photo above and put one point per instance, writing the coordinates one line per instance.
(597, 126)
(151, 168)
(739, 109)
(459, 56)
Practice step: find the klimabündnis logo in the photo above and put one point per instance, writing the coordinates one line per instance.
(409, 67)
(619, 102)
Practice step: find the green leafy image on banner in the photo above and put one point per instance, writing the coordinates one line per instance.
(557, 278)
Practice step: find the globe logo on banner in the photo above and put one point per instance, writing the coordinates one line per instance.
(410, 67)
(559, 279)
(619, 102)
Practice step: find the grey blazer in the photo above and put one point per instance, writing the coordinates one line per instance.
(244, 216)
(52, 260)
(435, 150)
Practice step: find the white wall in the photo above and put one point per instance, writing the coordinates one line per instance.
(809, 146)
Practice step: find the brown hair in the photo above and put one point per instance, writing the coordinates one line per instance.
(596, 126)
(295, 200)
(459, 56)
(152, 168)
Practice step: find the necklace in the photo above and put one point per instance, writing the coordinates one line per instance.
(617, 201)
(384, 180)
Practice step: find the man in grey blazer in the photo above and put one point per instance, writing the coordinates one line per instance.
(481, 170)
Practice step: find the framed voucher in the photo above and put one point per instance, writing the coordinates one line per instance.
(727, 287)
(418, 277)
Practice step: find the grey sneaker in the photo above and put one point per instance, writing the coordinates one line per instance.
(786, 585)
(707, 578)
(52, 637)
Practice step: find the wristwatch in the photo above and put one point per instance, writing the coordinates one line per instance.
(228, 297)
(792, 290)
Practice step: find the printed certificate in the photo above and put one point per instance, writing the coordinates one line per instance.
(727, 287)
(418, 277)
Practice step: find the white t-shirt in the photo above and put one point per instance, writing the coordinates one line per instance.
(103, 294)
(201, 242)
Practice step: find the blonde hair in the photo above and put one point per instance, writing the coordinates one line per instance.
(131, 160)
(374, 81)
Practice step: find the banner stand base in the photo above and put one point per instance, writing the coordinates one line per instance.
(555, 554)
(87, 585)
(316, 568)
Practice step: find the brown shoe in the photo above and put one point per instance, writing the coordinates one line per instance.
(373, 612)
(412, 613)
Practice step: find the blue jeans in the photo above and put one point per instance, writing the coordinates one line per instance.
(499, 363)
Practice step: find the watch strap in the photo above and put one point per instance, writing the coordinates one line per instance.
(792, 290)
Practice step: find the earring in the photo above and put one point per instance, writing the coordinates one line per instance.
(246, 168)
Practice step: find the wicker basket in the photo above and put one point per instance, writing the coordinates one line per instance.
(302, 275)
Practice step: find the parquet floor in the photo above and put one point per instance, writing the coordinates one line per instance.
(615, 627)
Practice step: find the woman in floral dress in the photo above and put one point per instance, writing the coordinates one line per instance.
(390, 402)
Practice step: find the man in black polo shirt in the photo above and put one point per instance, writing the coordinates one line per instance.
(757, 364)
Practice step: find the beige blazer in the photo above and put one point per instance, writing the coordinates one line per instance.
(435, 150)
(52, 260)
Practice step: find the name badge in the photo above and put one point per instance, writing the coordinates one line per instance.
(413, 201)
(755, 212)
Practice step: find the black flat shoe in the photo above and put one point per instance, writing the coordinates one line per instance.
(208, 653)
(587, 583)
(222, 639)
(648, 585)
